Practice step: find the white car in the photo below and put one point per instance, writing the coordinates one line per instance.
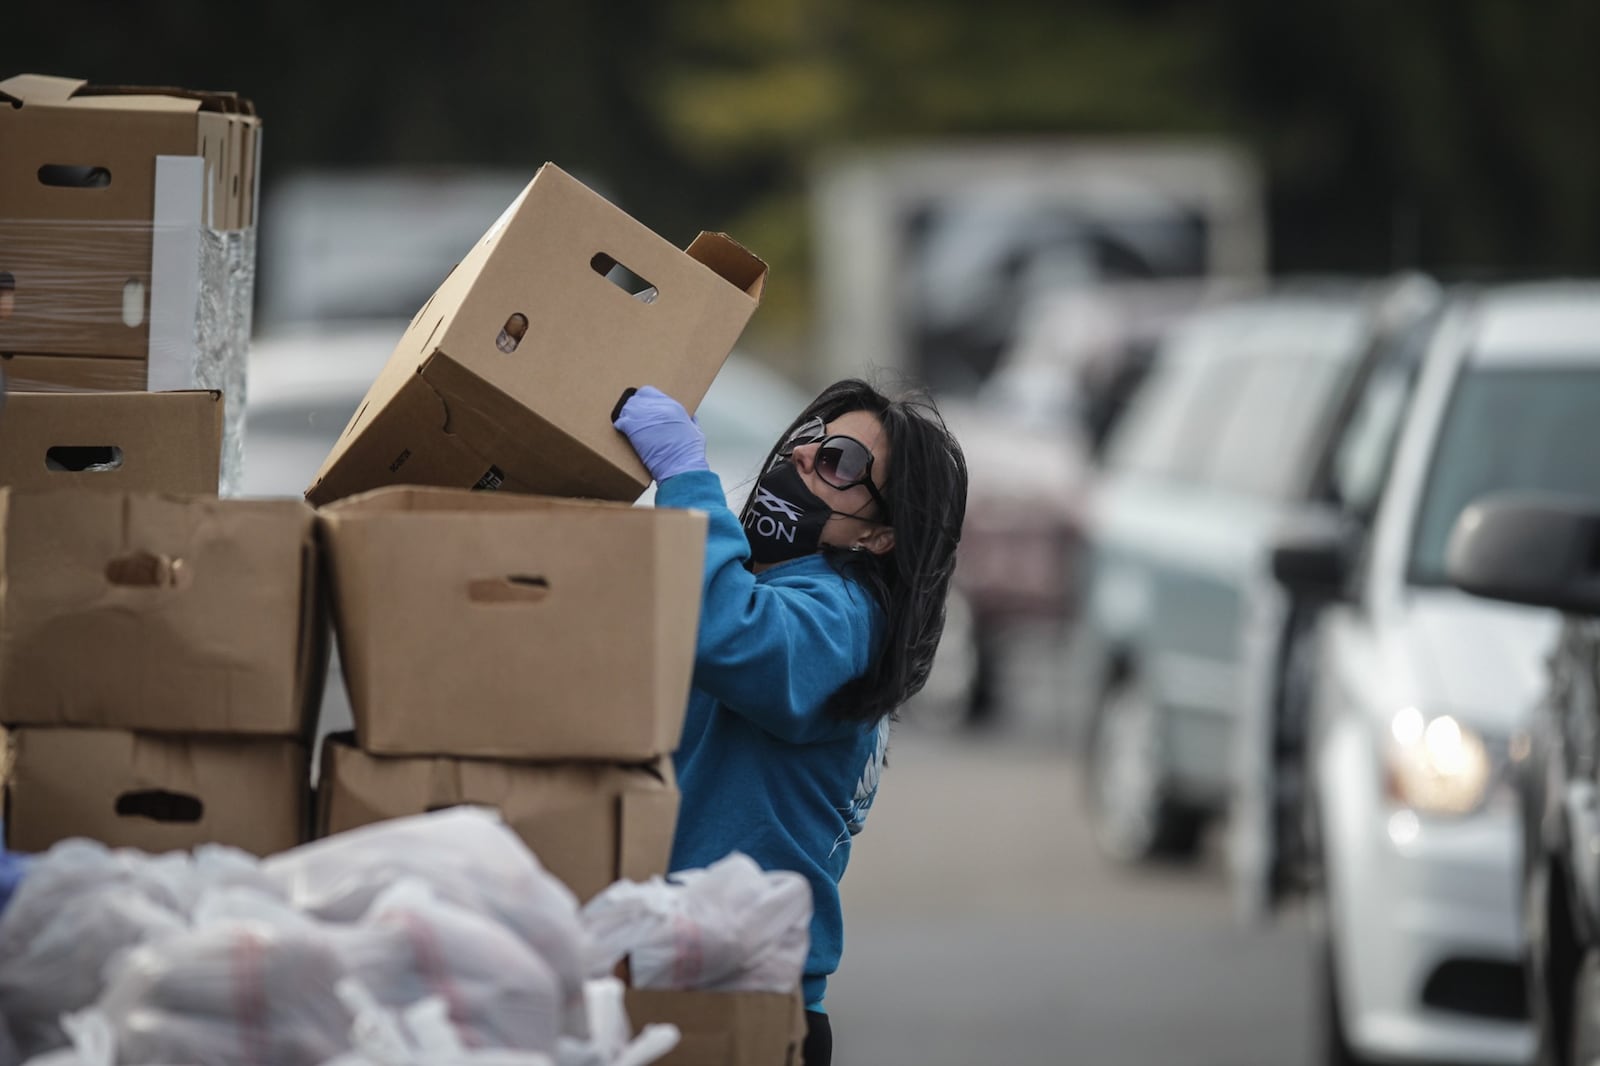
(1412, 691)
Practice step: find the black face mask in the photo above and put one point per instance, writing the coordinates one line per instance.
(785, 518)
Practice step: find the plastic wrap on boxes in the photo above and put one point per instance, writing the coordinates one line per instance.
(466, 855)
(79, 265)
(729, 927)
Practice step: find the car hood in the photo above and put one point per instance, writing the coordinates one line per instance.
(1480, 660)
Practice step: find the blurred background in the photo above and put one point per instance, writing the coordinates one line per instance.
(1235, 306)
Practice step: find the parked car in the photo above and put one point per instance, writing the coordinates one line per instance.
(1544, 550)
(1412, 692)
(1225, 440)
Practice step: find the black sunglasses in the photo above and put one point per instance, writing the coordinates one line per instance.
(841, 461)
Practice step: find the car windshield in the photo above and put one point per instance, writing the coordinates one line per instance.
(1527, 428)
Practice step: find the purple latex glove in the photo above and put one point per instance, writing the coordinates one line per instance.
(668, 441)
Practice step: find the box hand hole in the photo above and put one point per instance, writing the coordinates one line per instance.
(83, 458)
(513, 588)
(623, 278)
(511, 333)
(159, 805)
(71, 176)
(145, 570)
(133, 303)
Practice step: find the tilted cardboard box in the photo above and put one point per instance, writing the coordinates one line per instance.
(92, 180)
(135, 441)
(588, 823)
(508, 376)
(161, 613)
(511, 626)
(724, 1028)
(155, 793)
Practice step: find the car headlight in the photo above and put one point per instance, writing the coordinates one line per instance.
(1436, 765)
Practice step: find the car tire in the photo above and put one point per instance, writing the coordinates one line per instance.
(1133, 818)
(1332, 1046)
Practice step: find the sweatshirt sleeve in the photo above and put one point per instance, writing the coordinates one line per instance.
(771, 651)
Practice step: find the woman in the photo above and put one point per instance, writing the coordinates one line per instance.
(823, 605)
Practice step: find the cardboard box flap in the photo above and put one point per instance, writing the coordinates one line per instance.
(49, 91)
(24, 89)
(731, 261)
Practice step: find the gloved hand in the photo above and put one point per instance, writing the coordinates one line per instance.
(668, 441)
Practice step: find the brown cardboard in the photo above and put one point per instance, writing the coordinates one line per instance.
(108, 785)
(589, 823)
(724, 1028)
(511, 626)
(132, 441)
(70, 250)
(452, 408)
(184, 614)
(74, 373)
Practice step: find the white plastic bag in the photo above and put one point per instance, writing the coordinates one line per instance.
(420, 1035)
(729, 927)
(498, 992)
(467, 855)
(231, 994)
(79, 907)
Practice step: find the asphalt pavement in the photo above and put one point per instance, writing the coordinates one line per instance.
(982, 926)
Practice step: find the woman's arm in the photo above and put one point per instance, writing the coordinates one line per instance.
(771, 651)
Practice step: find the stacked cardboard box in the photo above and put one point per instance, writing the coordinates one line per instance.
(159, 661)
(127, 249)
(521, 652)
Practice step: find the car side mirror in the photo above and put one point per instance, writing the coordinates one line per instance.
(1311, 557)
(1538, 549)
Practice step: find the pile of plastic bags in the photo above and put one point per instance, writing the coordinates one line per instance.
(427, 941)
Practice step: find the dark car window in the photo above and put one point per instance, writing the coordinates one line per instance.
(1362, 456)
(1523, 427)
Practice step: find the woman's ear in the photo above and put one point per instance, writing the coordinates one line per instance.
(879, 540)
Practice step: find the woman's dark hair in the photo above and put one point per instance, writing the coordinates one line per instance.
(926, 490)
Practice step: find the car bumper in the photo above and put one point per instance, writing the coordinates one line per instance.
(1428, 939)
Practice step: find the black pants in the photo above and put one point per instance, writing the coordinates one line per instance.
(818, 1048)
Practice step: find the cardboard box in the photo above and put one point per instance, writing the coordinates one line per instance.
(102, 193)
(134, 442)
(160, 613)
(517, 627)
(725, 1028)
(508, 376)
(74, 373)
(153, 793)
(589, 823)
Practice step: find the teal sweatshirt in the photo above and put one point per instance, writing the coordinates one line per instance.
(762, 768)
